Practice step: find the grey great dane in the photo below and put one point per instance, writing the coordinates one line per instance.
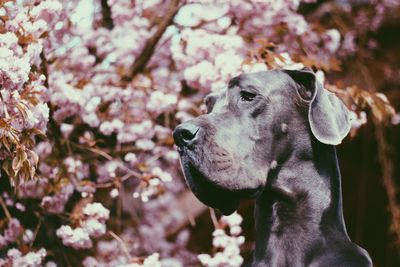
(271, 136)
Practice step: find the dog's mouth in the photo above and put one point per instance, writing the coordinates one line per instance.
(208, 192)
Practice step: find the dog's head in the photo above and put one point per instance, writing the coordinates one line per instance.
(252, 126)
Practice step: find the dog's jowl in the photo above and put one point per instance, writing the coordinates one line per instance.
(271, 136)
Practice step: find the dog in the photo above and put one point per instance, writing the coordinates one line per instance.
(271, 136)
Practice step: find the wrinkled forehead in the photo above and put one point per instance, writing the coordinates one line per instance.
(264, 82)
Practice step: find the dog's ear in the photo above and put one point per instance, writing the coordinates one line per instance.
(329, 118)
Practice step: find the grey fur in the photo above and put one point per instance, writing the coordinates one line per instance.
(270, 136)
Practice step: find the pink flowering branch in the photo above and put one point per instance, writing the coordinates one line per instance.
(148, 50)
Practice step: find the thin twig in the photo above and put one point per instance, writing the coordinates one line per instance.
(105, 185)
(214, 218)
(119, 214)
(100, 152)
(122, 243)
(131, 172)
(6, 211)
(36, 231)
(154, 158)
(94, 150)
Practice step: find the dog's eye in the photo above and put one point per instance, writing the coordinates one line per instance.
(247, 96)
(209, 102)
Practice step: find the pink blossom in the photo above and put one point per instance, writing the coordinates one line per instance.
(30, 259)
(94, 227)
(97, 211)
(14, 68)
(145, 144)
(229, 254)
(56, 203)
(76, 238)
(33, 188)
(13, 230)
(114, 193)
(332, 40)
(164, 176)
(131, 158)
(107, 171)
(160, 102)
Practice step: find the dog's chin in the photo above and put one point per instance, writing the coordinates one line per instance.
(208, 192)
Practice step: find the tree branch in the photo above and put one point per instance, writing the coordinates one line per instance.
(190, 206)
(148, 50)
(44, 68)
(6, 211)
(53, 128)
(107, 22)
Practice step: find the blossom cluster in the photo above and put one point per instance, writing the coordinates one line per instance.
(227, 244)
(11, 233)
(92, 225)
(15, 258)
(149, 261)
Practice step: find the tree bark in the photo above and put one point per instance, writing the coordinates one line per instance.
(148, 50)
(106, 12)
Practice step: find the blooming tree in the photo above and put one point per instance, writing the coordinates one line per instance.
(90, 91)
(227, 244)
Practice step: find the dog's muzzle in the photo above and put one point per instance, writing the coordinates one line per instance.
(187, 136)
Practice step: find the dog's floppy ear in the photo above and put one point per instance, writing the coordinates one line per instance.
(329, 118)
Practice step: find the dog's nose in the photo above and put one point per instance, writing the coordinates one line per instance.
(185, 133)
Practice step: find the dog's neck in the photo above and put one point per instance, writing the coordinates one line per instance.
(301, 205)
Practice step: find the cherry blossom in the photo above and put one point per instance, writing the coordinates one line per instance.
(227, 244)
(31, 259)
